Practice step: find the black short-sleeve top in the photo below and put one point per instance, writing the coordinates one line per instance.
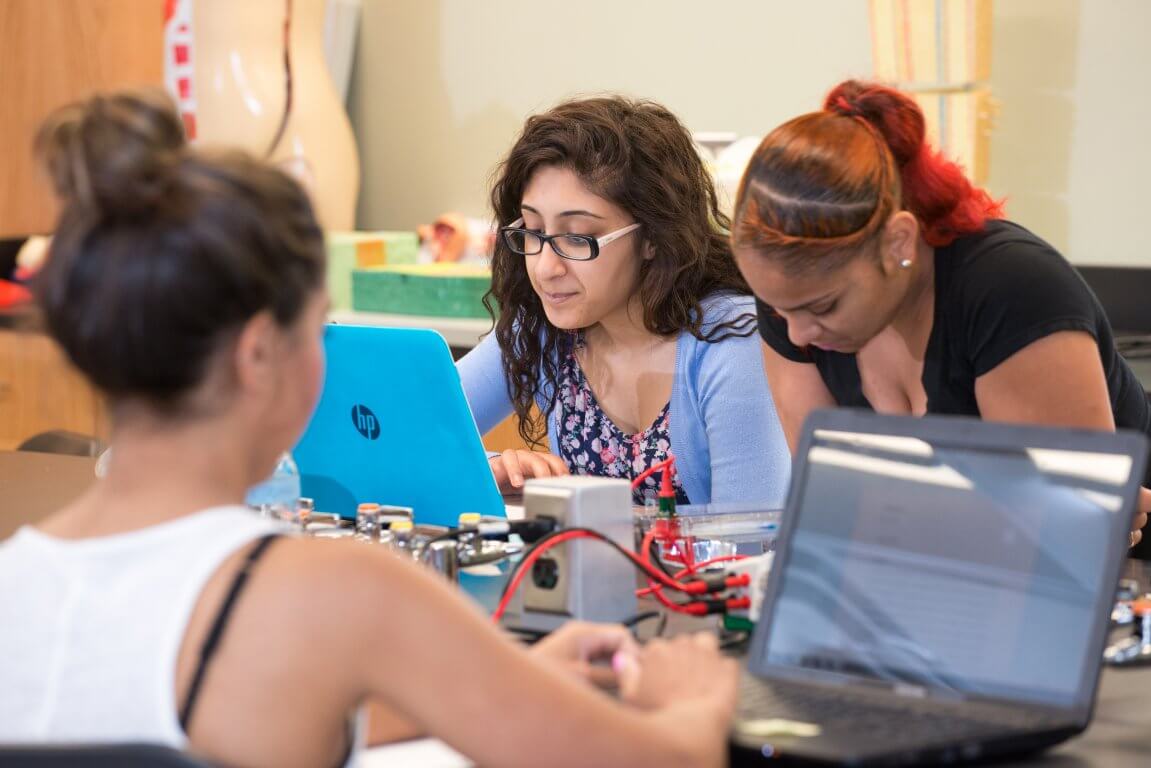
(996, 291)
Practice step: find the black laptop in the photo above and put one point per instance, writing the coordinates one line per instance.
(940, 591)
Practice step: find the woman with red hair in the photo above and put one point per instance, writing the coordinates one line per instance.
(886, 280)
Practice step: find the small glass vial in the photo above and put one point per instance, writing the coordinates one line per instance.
(443, 558)
(304, 512)
(368, 522)
(390, 514)
(402, 537)
(387, 538)
(470, 543)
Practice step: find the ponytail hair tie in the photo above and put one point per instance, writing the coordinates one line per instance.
(841, 106)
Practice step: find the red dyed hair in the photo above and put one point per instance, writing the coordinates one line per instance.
(825, 183)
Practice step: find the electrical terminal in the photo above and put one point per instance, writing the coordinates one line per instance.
(756, 569)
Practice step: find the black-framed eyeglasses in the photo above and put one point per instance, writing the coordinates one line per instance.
(527, 242)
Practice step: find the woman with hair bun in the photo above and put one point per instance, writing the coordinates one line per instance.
(886, 280)
(189, 288)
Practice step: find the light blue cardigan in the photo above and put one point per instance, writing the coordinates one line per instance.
(725, 434)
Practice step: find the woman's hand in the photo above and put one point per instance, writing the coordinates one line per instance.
(515, 465)
(1142, 508)
(578, 645)
(682, 681)
(682, 669)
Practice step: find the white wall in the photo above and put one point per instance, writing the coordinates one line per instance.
(441, 88)
(1111, 135)
(1071, 151)
(1035, 49)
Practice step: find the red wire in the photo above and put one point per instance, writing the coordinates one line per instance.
(651, 570)
(662, 598)
(654, 575)
(647, 472)
(653, 588)
(691, 571)
(525, 566)
(645, 547)
(535, 554)
(645, 554)
(713, 561)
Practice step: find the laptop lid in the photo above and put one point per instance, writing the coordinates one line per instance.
(949, 557)
(393, 426)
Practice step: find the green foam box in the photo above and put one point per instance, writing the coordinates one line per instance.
(348, 251)
(439, 290)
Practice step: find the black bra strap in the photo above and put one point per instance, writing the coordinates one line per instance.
(212, 641)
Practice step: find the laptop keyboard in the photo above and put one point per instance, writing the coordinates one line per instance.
(880, 716)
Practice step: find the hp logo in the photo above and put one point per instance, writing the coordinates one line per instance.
(365, 421)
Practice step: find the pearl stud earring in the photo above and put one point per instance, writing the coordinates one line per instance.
(905, 263)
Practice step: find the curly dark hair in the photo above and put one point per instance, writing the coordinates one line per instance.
(637, 155)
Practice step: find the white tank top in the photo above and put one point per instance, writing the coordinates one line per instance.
(91, 628)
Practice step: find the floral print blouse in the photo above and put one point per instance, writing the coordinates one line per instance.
(591, 444)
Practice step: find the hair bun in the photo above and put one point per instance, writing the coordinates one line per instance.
(895, 115)
(113, 154)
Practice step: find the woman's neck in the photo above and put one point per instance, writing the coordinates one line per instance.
(622, 330)
(160, 471)
(915, 317)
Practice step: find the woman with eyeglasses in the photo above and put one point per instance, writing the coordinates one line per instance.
(189, 288)
(889, 281)
(624, 332)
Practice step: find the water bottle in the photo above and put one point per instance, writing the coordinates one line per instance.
(279, 495)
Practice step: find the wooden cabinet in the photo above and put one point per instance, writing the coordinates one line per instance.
(53, 52)
(40, 391)
(505, 435)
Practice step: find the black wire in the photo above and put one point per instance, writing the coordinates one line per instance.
(529, 636)
(734, 640)
(288, 85)
(631, 621)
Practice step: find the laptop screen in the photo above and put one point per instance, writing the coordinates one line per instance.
(970, 570)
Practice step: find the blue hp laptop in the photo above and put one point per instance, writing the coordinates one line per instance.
(940, 591)
(393, 426)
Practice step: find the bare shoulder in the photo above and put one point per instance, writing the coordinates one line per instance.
(297, 632)
(797, 389)
(1056, 380)
(314, 590)
(335, 579)
(309, 605)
